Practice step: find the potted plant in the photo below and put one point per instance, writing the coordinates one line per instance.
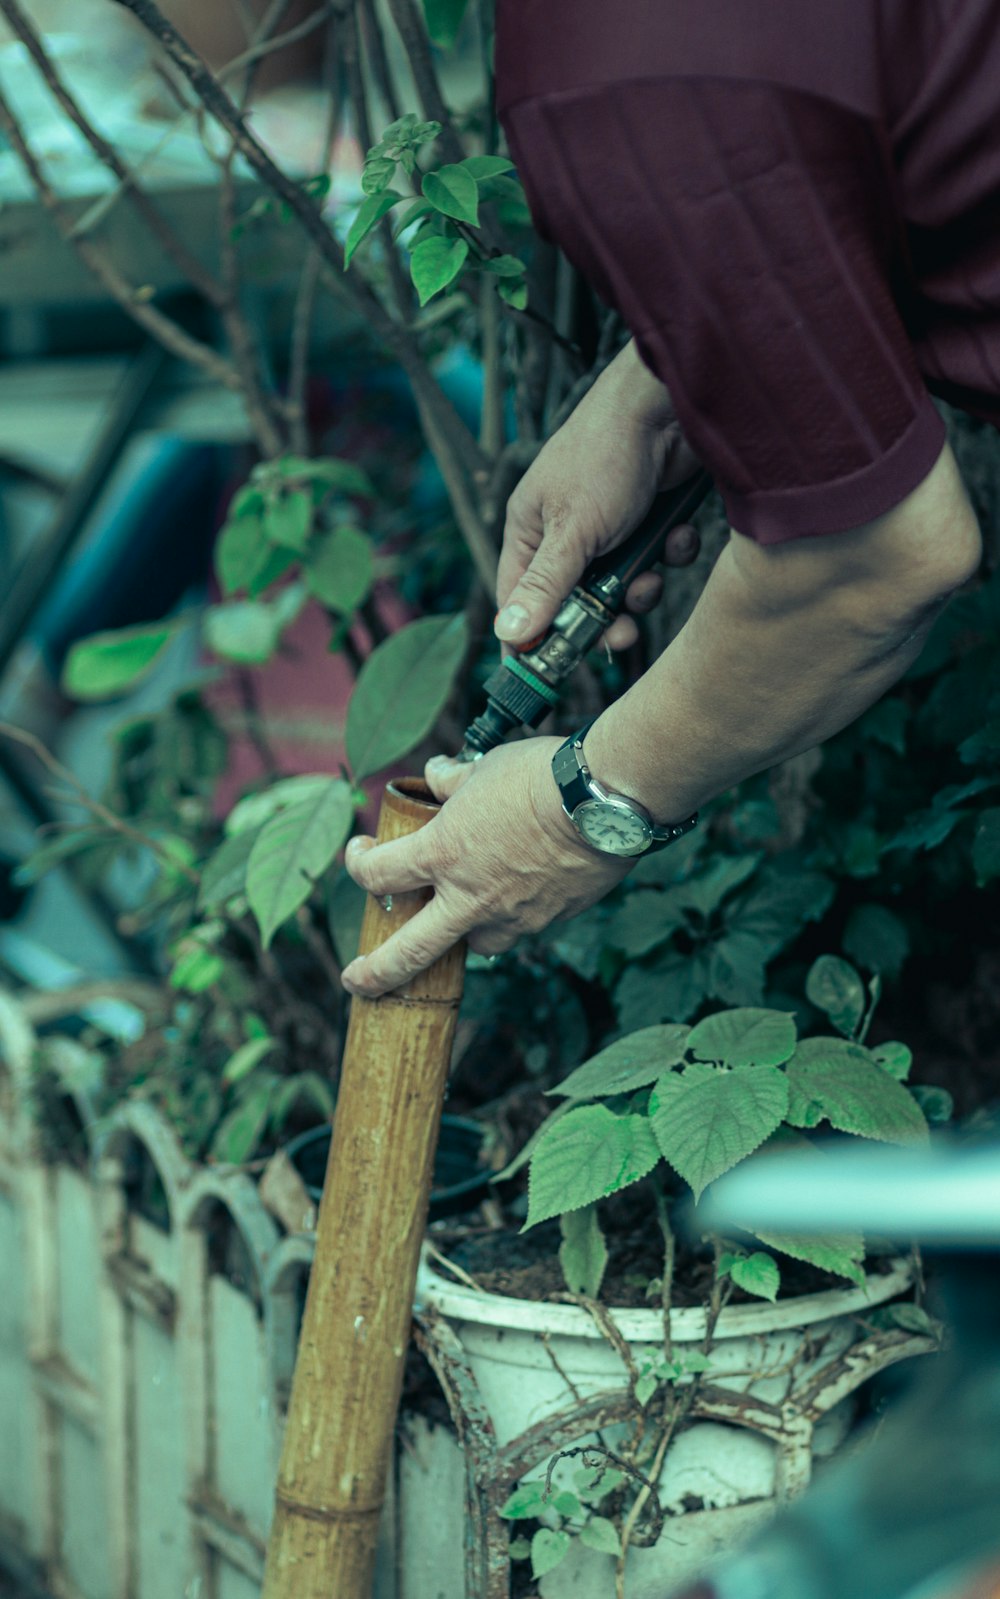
(619, 1447)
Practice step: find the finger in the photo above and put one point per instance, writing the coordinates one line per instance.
(644, 593)
(416, 946)
(553, 570)
(683, 545)
(622, 634)
(444, 776)
(394, 868)
(492, 943)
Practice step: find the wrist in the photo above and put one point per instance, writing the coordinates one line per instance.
(632, 767)
(647, 399)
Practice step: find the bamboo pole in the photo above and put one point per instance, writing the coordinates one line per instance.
(349, 1370)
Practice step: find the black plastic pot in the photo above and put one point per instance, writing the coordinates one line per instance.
(460, 1180)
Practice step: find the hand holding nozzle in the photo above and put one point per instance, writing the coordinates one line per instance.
(527, 685)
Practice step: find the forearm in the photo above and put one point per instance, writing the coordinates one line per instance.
(783, 649)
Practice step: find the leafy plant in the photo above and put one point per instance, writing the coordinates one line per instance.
(675, 1102)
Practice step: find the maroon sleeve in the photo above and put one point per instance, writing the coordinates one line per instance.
(749, 236)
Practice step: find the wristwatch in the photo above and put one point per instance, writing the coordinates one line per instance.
(610, 823)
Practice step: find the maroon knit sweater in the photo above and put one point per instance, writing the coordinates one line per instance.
(795, 206)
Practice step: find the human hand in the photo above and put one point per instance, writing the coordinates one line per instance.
(588, 488)
(502, 858)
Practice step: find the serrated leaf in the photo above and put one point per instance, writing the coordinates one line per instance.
(434, 263)
(736, 969)
(757, 1274)
(292, 849)
(981, 746)
(877, 939)
(341, 569)
(671, 990)
(548, 1549)
(748, 1036)
(583, 1254)
(894, 1058)
(852, 1093)
(885, 724)
(841, 1254)
(626, 1064)
(107, 664)
(240, 553)
(706, 892)
(585, 1156)
(644, 922)
(936, 1103)
(778, 905)
(369, 214)
(401, 691)
(708, 1120)
(601, 1534)
(288, 520)
(835, 988)
(224, 875)
(238, 1134)
(986, 847)
(454, 192)
(243, 1060)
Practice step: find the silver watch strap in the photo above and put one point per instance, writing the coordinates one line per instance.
(576, 784)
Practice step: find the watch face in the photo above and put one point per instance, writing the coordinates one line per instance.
(613, 829)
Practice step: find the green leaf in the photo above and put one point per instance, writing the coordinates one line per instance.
(835, 988)
(981, 746)
(626, 1064)
(242, 1062)
(238, 1134)
(341, 569)
(515, 294)
(288, 519)
(106, 664)
(705, 1120)
(778, 905)
(583, 1254)
(344, 476)
(601, 1534)
(413, 213)
(487, 166)
(505, 266)
(894, 1058)
(646, 1385)
(706, 892)
(401, 691)
(672, 989)
(548, 1549)
(195, 967)
(885, 724)
(306, 1087)
(757, 1274)
(585, 1156)
(345, 911)
(276, 565)
(526, 1502)
(566, 1504)
(519, 1548)
(55, 850)
(369, 214)
(444, 18)
(251, 812)
(936, 1103)
(851, 1092)
(644, 922)
(594, 1483)
(986, 847)
(224, 875)
(745, 1037)
(295, 847)
(454, 192)
(841, 1254)
(736, 969)
(240, 553)
(910, 1318)
(434, 263)
(249, 631)
(877, 939)
(376, 174)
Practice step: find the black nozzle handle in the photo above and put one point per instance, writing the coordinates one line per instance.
(641, 549)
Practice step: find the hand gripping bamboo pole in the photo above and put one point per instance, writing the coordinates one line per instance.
(349, 1371)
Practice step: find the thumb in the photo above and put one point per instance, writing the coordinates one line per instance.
(552, 572)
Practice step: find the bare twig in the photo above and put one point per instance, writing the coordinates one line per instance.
(111, 820)
(413, 34)
(491, 426)
(193, 269)
(318, 946)
(153, 321)
(375, 47)
(265, 45)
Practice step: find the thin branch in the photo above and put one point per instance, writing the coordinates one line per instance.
(154, 322)
(267, 46)
(111, 820)
(318, 947)
(350, 39)
(491, 425)
(305, 297)
(413, 34)
(193, 269)
(375, 47)
(484, 554)
(254, 723)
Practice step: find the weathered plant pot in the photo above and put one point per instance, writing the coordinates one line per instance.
(525, 1380)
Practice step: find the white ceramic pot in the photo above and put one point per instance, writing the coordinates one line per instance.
(777, 1396)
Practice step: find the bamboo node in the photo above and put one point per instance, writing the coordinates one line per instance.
(325, 1513)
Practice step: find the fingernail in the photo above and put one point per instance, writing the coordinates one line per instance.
(359, 846)
(511, 623)
(440, 763)
(348, 976)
